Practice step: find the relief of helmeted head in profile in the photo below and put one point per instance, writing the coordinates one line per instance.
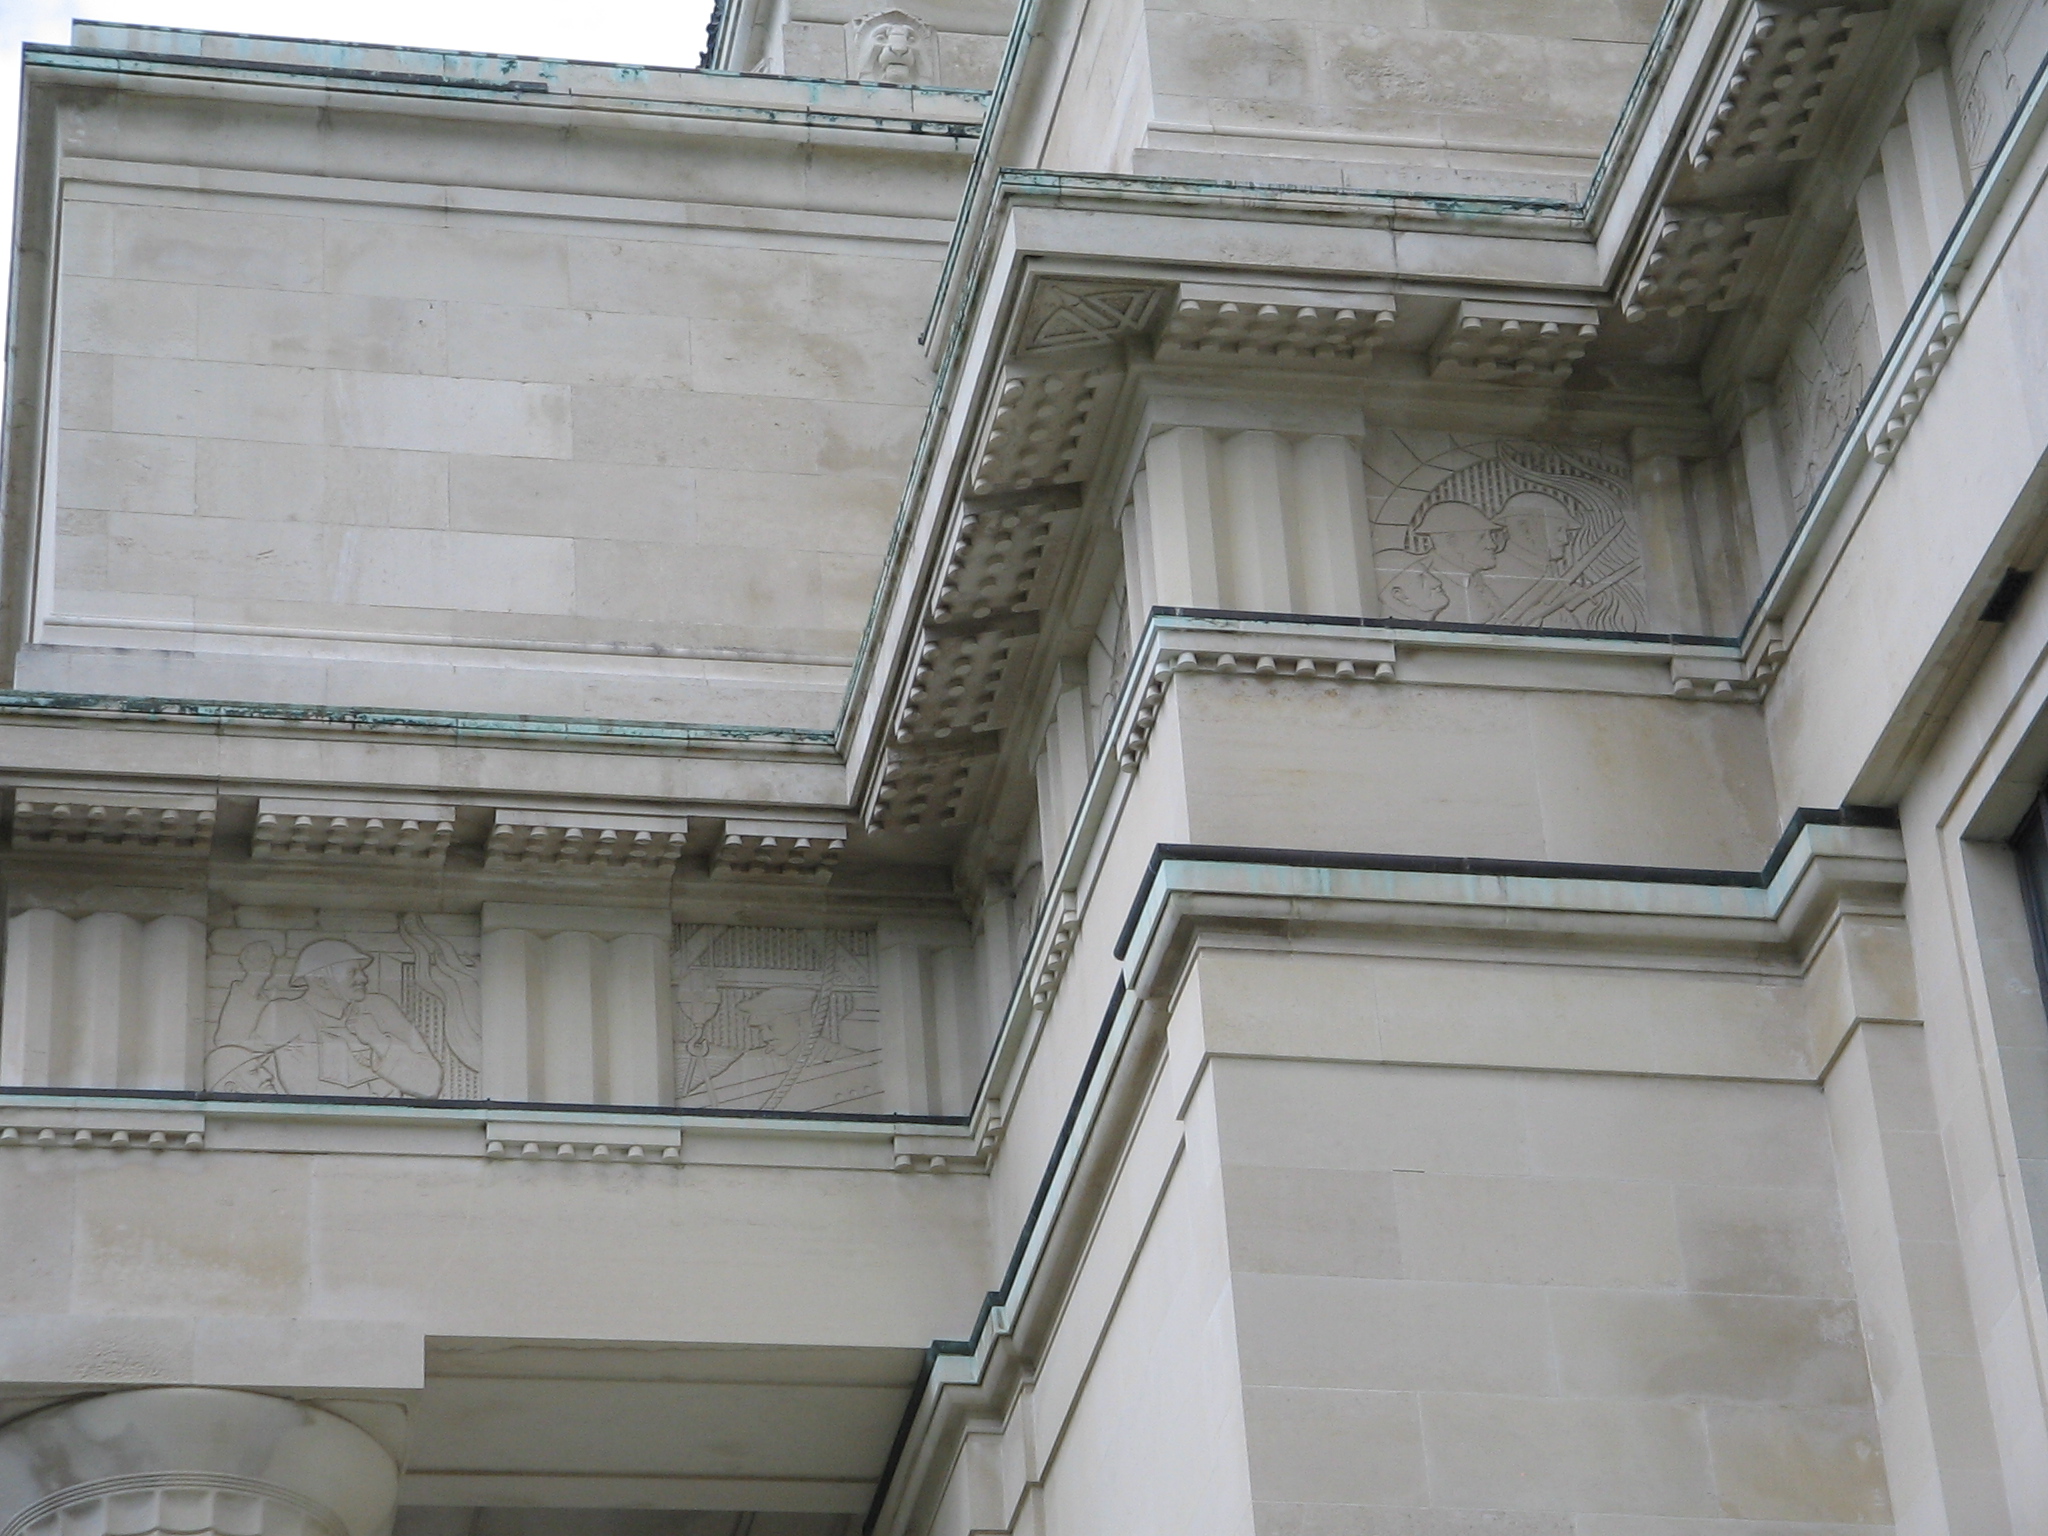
(1501, 532)
(1458, 544)
(333, 1018)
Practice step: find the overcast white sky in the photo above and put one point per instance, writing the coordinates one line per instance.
(613, 31)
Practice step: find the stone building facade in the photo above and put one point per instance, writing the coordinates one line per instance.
(1126, 766)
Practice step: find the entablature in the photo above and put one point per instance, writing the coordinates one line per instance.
(1085, 364)
(1600, 328)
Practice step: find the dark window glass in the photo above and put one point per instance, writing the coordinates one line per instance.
(2030, 843)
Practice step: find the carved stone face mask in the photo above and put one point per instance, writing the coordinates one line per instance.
(894, 53)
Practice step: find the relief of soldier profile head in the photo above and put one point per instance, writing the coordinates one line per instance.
(331, 1018)
(1457, 537)
(335, 973)
(1416, 592)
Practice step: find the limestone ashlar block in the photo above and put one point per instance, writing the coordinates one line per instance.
(776, 849)
(49, 818)
(328, 831)
(1778, 76)
(572, 840)
(1278, 325)
(102, 1001)
(1513, 343)
(73, 1352)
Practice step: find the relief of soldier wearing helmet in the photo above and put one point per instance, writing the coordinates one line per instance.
(378, 1014)
(1500, 532)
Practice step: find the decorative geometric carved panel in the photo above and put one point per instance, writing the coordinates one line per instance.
(1500, 531)
(1273, 324)
(1772, 86)
(777, 1018)
(1696, 260)
(1516, 343)
(1065, 314)
(367, 1004)
(126, 822)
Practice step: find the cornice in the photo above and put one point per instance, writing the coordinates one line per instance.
(1827, 860)
(216, 715)
(1286, 201)
(530, 86)
(995, 173)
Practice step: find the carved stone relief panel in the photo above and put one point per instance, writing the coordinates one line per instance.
(1490, 530)
(1826, 371)
(1994, 47)
(370, 1004)
(777, 1018)
(1109, 658)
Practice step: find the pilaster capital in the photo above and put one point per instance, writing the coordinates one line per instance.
(195, 1461)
